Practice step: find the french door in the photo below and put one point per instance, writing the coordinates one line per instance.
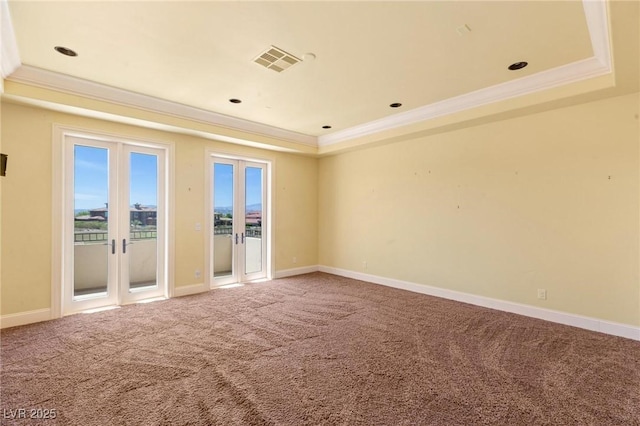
(115, 215)
(239, 216)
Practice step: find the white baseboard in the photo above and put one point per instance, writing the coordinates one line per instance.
(189, 289)
(23, 318)
(593, 324)
(617, 329)
(296, 271)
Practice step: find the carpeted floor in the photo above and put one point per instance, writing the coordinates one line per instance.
(317, 349)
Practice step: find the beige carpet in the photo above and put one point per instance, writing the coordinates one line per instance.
(317, 349)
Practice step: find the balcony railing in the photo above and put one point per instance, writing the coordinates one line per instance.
(251, 231)
(90, 237)
(99, 236)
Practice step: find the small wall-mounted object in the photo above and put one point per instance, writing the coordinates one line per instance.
(3, 164)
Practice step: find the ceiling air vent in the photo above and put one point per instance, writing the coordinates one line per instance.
(276, 59)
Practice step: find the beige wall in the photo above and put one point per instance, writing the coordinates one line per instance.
(549, 200)
(27, 191)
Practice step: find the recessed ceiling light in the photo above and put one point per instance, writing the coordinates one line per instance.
(235, 101)
(395, 105)
(326, 127)
(65, 51)
(518, 65)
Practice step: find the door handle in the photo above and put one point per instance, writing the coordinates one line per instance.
(113, 246)
(236, 238)
(124, 245)
(242, 241)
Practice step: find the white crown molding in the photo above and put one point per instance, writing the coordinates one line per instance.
(67, 84)
(599, 64)
(10, 58)
(555, 77)
(580, 321)
(595, 12)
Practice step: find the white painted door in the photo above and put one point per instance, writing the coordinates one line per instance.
(115, 219)
(239, 217)
(143, 219)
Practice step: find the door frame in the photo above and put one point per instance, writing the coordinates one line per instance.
(113, 220)
(59, 193)
(268, 211)
(126, 294)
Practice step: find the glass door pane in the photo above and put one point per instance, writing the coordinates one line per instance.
(92, 246)
(115, 215)
(238, 249)
(253, 258)
(142, 208)
(223, 209)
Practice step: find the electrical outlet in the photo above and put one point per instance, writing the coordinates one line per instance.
(198, 227)
(364, 264)
(197, 274)
(295, 259)
(542, 294)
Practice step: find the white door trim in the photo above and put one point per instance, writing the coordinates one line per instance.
(235, 275)
(251, 276)
(126, 295)
(59, 134)
(268, 210)
(69, 305)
